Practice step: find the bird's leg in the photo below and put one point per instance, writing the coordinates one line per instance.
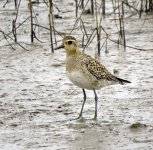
(96, 100)
(84, 100)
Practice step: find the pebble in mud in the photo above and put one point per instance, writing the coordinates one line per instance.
(138, 125)
(3, 95)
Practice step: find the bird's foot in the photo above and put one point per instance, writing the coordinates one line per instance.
(79, 118)
(95, 118)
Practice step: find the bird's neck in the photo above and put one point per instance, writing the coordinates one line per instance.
(73, 52)
(71, 59)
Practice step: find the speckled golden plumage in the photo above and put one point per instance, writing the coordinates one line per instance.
(86, 72)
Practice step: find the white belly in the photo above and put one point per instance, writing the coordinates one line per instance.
(86, 82)
(80, 80)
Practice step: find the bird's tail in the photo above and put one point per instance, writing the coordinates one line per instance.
(122, 81)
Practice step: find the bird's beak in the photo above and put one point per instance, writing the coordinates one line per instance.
(61, 46)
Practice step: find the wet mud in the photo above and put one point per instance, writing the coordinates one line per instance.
(37, 101)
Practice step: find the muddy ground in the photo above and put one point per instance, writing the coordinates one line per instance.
(37, 100)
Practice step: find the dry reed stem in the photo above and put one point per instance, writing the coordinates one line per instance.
(31, 16)
(50, 15)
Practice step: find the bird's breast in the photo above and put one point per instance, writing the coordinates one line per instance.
(79, 79)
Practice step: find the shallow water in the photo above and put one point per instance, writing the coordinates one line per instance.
(37, 100)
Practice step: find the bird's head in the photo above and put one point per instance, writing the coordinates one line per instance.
(70, 44)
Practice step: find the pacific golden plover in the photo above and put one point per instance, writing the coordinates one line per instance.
(86, 72)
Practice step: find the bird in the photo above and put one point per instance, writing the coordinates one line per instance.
(86, 72)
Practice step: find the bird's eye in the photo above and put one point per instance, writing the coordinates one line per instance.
(69, 42)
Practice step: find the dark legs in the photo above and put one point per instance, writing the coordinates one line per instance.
(96, 100)
(84, 100)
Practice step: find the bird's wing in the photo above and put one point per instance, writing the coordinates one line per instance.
(98, 70)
